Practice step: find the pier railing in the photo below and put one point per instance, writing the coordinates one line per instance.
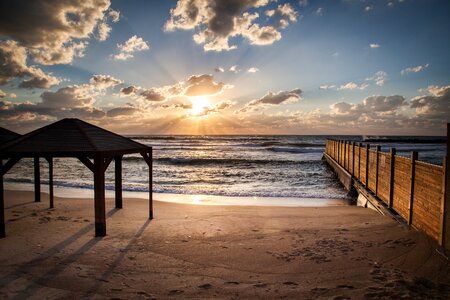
(416, 190)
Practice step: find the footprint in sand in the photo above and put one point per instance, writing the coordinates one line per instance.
(232, 283)
(205, 286)
(175, 292)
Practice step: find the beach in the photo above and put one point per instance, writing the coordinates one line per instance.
(201, 251)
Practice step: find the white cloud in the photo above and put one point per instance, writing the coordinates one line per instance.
(379, 78)
(219, 70)
(374, 46)
(353, 86)
(115, 15)
(216, 22)
(252, 70)
(416, 69)
(327, 86)
(368, 8)
(234, 69)
(132, 45)
(319, 11)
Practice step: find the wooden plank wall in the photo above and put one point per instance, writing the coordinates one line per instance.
(424, 209)
(402, 186)
(384, 176)
(427, 196)
(372, 170)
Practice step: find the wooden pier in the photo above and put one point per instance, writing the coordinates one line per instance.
(417, 191)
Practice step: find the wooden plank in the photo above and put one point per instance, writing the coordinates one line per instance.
(445, 222)
(414, 157)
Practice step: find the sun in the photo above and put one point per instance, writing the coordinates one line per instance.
(199, 105)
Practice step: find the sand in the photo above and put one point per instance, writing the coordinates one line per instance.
(200, 251)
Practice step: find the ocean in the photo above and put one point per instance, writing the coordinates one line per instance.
(247, 170)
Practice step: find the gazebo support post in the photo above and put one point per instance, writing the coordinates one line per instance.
(148, 157)
(37, 180)
(50, 180)
(2, 203)
(99, 196)
(118, 180)
(150, 183)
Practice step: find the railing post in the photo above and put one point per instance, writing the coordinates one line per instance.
(367, 165)
(391, 179)
(376, 171)
(445, 204)
(345, 155)
(353, 159)
(359, 161)
(339, 152)
(414, 157)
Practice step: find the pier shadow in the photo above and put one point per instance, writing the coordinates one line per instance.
(26, 267)
(99, 281)
(19, 204)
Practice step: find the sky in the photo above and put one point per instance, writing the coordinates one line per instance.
(363, 67)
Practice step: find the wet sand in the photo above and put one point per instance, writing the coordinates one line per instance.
(200, 251)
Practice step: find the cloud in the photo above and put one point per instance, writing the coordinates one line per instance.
(121, 111)
(319, 11)
(129, 90)
(69, 97)
(153, 94)
(219, 70)
(2, 94)
(217, 21)
(374, 46)
(234, 69)
(203, 85)
(436, 105)
(252, 70)
(132, 45)
(352, 86)
(368, 8)
(52, 32)
(13, 59)
(215, 108)
(327, 87)
(103, 82)
(272, 98)
(379, 78)
(115, 15)
(103, 31)
(303, 3)
(416, 69)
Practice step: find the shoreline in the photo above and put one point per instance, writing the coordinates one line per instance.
(205, 251)
(196, 199)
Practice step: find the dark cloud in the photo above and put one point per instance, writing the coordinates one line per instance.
(102, 82)
(202, 85)
(217, 21)
(13, 65)
(121, 111)
(129, 90)
(53, 31)
(436, 105)
(272, 98)
(152, 95)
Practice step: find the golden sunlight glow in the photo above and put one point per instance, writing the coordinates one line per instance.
(199, 105)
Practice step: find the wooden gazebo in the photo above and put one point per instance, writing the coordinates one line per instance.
(93, 146)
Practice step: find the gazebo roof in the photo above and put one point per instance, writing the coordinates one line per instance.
(70, 137)
(7, 135)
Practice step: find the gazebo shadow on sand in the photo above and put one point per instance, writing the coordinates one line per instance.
(93, 146)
